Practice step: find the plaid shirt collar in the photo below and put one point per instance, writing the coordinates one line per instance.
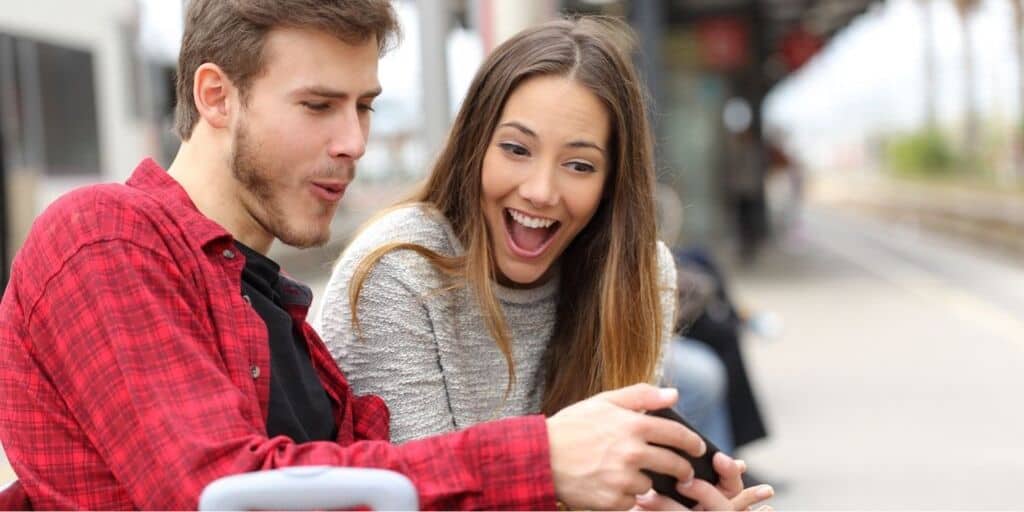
(151, 178)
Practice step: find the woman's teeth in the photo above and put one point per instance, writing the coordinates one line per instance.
(530, 222)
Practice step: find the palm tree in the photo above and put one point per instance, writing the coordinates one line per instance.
(929, 63)
(964, 8)
(1018, 44)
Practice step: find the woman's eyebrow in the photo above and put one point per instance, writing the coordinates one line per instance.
(585, 144)
(519, 126)
(573, 144)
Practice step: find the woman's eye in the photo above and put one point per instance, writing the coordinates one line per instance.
(515, 149)
(581, 167)
(315, 107)
(366, 108)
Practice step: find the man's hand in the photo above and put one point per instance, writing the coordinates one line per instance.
(599, 446)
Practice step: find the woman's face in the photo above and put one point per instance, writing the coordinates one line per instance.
(543, 175)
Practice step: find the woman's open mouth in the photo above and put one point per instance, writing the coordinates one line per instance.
(528, 236)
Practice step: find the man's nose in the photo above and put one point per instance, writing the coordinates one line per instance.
(349, 138)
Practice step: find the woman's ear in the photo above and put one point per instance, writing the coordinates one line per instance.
(211, 92)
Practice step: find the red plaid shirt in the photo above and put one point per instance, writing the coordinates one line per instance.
(133, 373)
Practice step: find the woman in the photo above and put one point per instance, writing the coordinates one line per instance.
(526, 274)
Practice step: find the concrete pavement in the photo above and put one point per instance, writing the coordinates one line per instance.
(897, 383)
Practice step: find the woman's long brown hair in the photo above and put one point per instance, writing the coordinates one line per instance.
(608, 325)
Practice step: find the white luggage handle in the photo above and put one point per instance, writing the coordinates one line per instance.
(311, 488)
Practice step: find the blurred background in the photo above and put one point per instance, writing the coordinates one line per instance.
(854, 168)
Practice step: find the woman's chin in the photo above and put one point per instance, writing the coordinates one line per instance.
(522, 277)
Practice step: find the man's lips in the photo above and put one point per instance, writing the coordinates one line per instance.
(331, 191)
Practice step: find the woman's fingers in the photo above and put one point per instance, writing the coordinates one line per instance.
(748, 497)
(710, 497)
(651, 500)
(730, 474)
(707, 496)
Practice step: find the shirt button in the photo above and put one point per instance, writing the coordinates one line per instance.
(255, 371)
(247, 299)
(229, 254)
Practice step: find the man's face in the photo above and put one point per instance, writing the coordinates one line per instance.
(302, 129)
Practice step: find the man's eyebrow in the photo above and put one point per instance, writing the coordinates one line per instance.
(327, 92)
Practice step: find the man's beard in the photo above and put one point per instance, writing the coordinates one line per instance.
(261, 202)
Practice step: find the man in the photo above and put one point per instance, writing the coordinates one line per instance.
(148, 347)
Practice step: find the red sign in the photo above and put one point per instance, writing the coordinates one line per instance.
(724, 43)
(797, 47)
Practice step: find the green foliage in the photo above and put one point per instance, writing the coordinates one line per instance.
(926, 153)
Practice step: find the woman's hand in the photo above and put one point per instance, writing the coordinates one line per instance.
(729, 494)
(654, 501)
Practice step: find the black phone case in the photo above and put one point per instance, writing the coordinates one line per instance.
(702, 467)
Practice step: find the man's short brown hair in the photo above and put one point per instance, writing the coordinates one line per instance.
(231, 33)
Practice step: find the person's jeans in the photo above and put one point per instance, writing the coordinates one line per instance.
(698, 374)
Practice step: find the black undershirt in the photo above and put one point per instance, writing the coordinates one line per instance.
(299, 407)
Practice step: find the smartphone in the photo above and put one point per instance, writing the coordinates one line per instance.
(702, 467)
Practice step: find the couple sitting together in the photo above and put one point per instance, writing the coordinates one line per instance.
(496, 338)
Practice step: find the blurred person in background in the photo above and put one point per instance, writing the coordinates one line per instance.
(705, 359)
(530, 251)
(713, 319)
(148, 346)
(693, 368)
(743, 183)
(784, 188)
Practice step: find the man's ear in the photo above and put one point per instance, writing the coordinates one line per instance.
(212, 91)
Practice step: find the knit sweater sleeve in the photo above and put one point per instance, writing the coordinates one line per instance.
(667, 294)
(392, 351)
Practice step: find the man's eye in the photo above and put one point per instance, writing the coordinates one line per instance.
(315, 107)
(366, 108)
(515, 149)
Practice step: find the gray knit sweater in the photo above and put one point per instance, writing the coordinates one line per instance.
(428, 352)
